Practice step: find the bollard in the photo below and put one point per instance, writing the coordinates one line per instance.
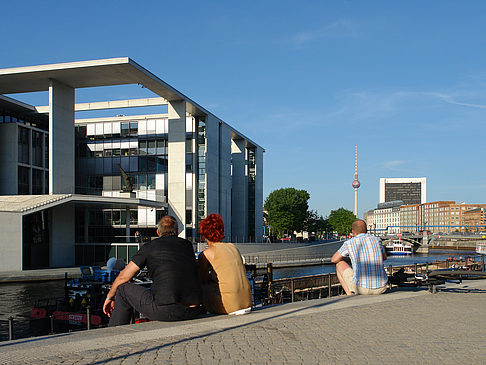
(329, 285)
(88, 317)
(10, 328)
(51, 317)
(390, 272)
(292, 288)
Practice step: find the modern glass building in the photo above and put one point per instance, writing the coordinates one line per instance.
(75, 191)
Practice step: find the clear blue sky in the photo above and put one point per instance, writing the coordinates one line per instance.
(307, 80)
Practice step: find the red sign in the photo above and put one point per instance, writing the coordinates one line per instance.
(399, 235)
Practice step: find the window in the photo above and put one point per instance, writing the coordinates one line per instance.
(36, 182)
(23, 145)
(23, 181)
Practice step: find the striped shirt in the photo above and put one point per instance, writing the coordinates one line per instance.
(366, 254)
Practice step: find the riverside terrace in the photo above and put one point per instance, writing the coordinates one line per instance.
(266, 291)
(400, 327)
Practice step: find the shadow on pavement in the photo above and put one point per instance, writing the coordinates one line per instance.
(124, 356)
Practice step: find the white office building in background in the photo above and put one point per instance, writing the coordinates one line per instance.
(410, 190)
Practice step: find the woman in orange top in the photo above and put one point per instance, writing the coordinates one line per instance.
(226, 289)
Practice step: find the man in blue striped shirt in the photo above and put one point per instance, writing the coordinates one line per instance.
(366, 275)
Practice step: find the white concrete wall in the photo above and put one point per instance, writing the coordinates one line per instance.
(61, 138)
(239, 197)
(11, 241)
(259, 194)
(61, 232)
(8, 159)
(177, 163)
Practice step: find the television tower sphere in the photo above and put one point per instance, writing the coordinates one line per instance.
(356, 184)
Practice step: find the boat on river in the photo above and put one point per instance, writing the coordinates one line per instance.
(82, 302)
(398, 248)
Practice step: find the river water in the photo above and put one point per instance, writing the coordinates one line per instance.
(17, 299)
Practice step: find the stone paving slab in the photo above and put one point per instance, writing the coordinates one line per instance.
(402, 327)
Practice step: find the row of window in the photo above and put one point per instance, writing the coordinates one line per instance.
(26, 175)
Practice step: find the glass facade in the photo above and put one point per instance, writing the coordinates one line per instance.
(251, 193)
(201, 171)
(139, 148)
(409, 193)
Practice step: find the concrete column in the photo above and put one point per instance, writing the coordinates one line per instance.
(239, 196)
(61, 138)
(9, 159)
(225, 182)
(177, 164)
(11, 242)
(259, 194)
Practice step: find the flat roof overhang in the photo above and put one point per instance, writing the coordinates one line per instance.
(95, 73)
(28, 204)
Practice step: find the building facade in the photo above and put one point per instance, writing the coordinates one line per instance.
(409, 190)
(85, 186)
(384, 219)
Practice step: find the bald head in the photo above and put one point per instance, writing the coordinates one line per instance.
(359, 226)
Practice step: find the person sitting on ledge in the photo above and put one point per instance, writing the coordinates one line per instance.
(175, 293)
(226, 289)
(367, 275)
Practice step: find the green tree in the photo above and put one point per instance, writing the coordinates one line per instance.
(341, 220)
(287, 210)
(314, 222)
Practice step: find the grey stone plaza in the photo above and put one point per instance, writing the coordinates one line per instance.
(405, 326)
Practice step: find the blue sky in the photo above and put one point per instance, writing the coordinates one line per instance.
(307, 80)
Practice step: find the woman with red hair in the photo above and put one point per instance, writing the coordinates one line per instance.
(226, 289)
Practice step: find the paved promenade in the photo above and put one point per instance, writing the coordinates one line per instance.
(402, 327)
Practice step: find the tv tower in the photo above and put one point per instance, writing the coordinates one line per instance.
(356, 183)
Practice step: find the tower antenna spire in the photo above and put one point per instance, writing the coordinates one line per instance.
(356, 183)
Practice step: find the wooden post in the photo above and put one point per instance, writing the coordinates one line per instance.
(292, 288)
(269, 280)
(10, 328)
(329, 285)
(88, 317)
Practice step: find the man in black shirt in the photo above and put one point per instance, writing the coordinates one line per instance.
(175, 294)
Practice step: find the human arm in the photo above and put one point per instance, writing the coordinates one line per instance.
(125, 276)
(337, 257)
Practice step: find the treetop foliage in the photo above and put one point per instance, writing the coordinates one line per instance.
(287, 210)
(341, 221)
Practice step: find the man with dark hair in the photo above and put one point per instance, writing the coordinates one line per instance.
(175, 293)
(366, 252)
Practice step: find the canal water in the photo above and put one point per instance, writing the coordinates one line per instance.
(18, 299)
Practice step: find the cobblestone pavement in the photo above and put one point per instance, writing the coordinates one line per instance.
(403, 327)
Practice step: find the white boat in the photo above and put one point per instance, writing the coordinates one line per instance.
(398, 249)
(481, 248)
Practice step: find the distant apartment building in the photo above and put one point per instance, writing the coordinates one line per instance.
(442, 216)
(474, 219)
(409, 190)
(409, 217)
(385, 218)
